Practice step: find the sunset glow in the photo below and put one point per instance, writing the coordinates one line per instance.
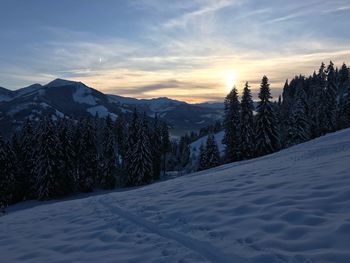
(181, 54)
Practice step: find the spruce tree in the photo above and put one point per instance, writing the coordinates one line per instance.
(330, 98)
(202, 159)
(266, 130)
(48, 164)
(343, 117)
(247, 143)
(27, 160)
(212, 152)
(133, 137)
(232, 127)
(299, 128)
(165, 145)
(156, 148)
(142, 157)
(88, 159)
(109, 168)
(67, 179)
(7, 176)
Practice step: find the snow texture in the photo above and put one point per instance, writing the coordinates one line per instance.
(102, 111)
(82, 95)
(291, 206)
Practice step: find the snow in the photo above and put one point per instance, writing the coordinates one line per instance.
(291, 206)
(102, 111)
(194, 147)
(83, 95)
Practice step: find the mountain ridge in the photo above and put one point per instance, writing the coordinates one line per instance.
(75, 99)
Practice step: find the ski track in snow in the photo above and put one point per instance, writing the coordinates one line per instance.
(204, 249)
(288, 207)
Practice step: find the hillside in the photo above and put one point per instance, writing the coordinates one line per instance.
(292, 206)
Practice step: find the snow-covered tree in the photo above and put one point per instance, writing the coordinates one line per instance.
(67, 179)
(165, 145)
(266, 130)
(202, 159)
(247, 143)
(299, 127)
(141, 166)
(88, 164)
(156, 148)
(232, 125)
(109, 168)
(212, 152)
(47, 161)
(7, 176)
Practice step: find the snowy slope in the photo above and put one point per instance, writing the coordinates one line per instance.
(292, 206)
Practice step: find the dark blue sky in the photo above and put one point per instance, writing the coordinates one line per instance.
(191, 50)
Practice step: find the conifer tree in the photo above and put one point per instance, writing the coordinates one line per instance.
(165, 145)
(299, 128)
(142, 157)
(108, 179)
(267, 137)
(133, 137)
(156, 148)
(7, 177)
(88, 167)
(48, 165)
(232, 127)
(67, 179)
(202, 159)
(330, 99)
(247, 145)
(343, 117)
(212, 152)
(26, 159)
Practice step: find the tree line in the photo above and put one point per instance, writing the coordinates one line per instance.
(48, 159)
(309, 107)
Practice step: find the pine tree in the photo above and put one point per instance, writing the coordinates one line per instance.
(232, 127)
(314, 103)
(142, 157)
(212, 152)
(330, 100)
(109, 168)
(48, 165)
(202, 159)
(343, 117)
(133, 137)
(7, 177)
(267, 137)
(247, 144)
(88, 164)
(156, 148)
(323, 102)
(27, 161)
(165, 143)
(299, 128)
(67, 179)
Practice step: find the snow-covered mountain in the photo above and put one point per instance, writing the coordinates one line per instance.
(291, 206)
(75, 99)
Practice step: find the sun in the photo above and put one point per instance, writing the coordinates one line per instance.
(230, 81)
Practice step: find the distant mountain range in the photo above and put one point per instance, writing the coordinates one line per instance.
(75, 99)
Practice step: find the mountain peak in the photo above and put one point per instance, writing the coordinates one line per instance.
(62, 82)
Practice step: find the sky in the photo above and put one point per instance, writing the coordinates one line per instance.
(192, 50)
